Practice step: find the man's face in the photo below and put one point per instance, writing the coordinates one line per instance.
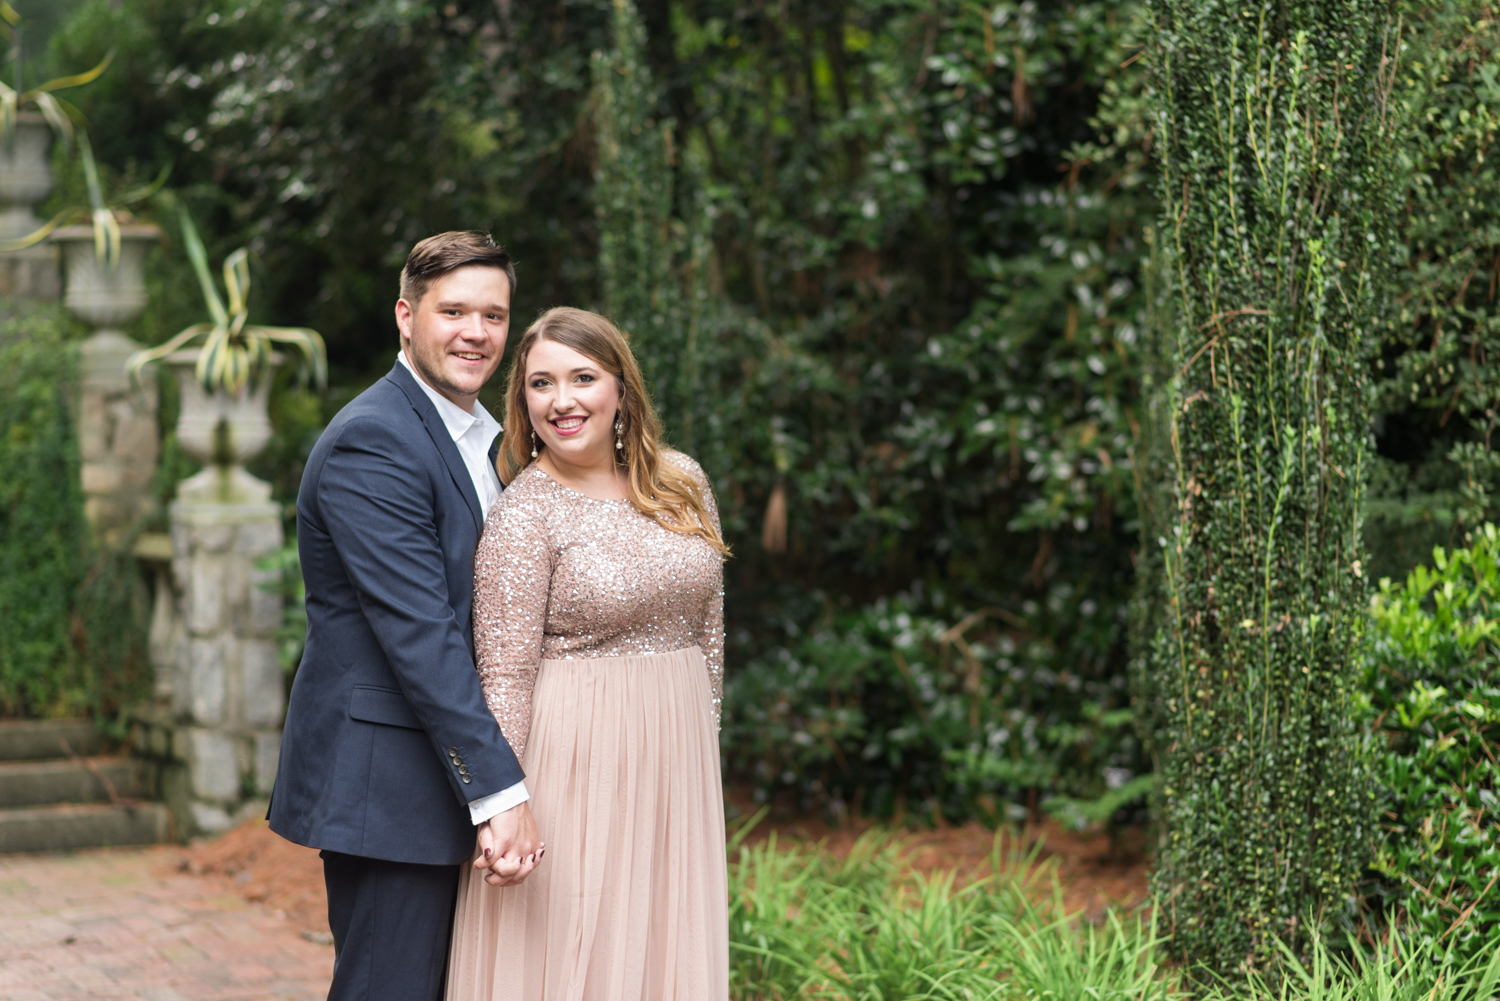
(455, 335)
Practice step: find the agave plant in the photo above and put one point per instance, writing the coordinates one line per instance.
(234, 351)
(106, 218)
(12, 99)
(61, 116)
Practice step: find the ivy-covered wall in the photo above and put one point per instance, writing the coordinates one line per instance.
(43, 536)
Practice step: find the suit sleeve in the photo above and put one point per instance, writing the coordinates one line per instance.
(378, 509)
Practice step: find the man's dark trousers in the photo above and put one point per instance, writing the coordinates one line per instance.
(391, 924)
(387, 735)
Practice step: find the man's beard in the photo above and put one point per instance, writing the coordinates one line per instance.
(431, 370)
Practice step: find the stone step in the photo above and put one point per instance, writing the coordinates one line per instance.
(41, 783)
(72, 826)
(30, 739)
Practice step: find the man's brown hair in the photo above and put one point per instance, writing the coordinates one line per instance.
(438, 255)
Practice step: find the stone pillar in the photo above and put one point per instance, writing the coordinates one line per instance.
(117, 434)
(227, 694)
(26, 179)
(213, 737)
(117, 421)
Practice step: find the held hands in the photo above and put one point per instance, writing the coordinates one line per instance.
(509, 846)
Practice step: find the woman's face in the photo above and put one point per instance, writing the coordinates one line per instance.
(572, 401)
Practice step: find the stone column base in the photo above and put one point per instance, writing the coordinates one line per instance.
(211, 779)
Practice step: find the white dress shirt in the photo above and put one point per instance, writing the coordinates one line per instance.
(473, 433)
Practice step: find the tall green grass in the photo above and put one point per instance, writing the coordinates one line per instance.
(807, 926)
(1398, 971)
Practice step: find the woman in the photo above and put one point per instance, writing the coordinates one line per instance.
(599, 637)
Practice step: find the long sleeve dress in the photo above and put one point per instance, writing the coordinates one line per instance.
(599, 638)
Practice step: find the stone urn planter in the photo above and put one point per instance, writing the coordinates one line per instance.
(26, 179)
(222, 430)
(106, 297)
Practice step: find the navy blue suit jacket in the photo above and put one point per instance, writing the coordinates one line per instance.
(387, 734)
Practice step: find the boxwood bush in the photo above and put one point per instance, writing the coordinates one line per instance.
(1434, 698)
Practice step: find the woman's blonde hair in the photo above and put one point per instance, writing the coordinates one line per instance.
(657, 487)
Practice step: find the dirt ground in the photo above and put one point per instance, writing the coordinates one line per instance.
(287, 880)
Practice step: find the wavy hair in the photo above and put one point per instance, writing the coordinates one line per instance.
(668, 495)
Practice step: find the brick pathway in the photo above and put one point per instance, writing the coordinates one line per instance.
(122, 924)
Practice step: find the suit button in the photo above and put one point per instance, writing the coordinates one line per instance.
(467, 778)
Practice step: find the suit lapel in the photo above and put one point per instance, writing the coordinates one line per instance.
(438, 432)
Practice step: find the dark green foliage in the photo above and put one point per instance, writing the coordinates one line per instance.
(329, 137)
(72, 613)
(42, 529)
(985, 463)
(1275, 137)
(880, 289)
(891, 711)
(888, 255)
(1433, 682)
(651, 264)
(1438, 396)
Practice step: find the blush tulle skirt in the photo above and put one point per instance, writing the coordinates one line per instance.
(631, 901)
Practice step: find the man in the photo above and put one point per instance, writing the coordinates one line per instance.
(390, 758)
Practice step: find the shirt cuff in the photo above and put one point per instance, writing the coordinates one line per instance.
(483, 809)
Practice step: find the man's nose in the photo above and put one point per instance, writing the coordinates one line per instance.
(474, 329)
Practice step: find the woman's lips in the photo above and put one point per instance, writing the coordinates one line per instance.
(568, 426)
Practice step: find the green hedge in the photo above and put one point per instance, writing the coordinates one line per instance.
(1433, 683)
(72, 615)
(42, 528)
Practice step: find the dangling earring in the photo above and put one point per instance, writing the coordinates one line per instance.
(533, 443)
(619, 429)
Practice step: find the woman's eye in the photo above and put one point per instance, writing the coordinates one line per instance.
(585, 378)
(539, 384)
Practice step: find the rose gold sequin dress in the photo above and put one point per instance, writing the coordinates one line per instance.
(600, 642)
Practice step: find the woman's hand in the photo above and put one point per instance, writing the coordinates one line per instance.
(509, 846)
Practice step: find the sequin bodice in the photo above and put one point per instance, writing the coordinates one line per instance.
(562, 576)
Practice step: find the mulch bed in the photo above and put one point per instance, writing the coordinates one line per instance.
(287, 879)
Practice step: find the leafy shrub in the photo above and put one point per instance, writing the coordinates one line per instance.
(72, 610)
(42, 529)
(895, 709)
(1433, 683)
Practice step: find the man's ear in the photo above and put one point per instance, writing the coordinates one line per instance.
(403, 319)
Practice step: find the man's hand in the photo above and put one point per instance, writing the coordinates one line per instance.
(509, 846)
